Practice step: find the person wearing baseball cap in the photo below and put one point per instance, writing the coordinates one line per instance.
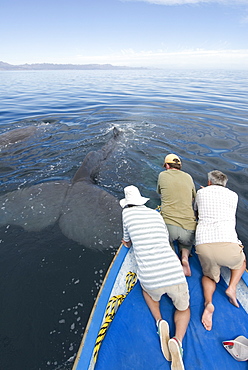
(172, 159)
(177, 191)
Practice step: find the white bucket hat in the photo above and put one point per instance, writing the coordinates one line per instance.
(132, 196)
(238, 348)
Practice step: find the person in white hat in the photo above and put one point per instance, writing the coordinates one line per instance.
(159, 269)
(177, 191)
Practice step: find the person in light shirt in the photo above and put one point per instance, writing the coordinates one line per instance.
(217, 242)
(159, 270)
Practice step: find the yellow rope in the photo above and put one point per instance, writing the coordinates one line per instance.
(158, 208)
(111, 309)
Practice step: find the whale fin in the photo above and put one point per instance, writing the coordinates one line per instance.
(93, 159)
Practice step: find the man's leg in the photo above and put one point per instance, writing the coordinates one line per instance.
(173, 235)
(163, 327)
(183, 238)
(235, 277)
(154, 306)
(185, 262)
(209, 287)
(181, 319)
(185, 241)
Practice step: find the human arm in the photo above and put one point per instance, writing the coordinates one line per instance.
(196, 208)
(193, 191)
(127, 244)
(158, 185)
(126, 239)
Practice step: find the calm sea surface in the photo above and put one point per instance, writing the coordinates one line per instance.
(48, 283)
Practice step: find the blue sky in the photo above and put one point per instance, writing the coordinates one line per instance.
(149, 33)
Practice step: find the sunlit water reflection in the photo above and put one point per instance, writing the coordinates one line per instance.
(48, 283)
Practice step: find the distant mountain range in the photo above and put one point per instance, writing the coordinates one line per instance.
(51, 66)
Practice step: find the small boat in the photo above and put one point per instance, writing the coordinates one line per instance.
(121, 332)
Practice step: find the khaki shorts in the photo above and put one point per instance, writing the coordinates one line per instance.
(179, 294)
(185, 238)
(214, 255)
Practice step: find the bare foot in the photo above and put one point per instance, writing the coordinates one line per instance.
(232, 296)
(207, 316)
(186, 267)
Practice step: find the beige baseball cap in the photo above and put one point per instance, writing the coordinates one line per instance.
(172, 158)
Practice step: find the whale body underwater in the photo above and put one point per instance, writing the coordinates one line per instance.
(85, 213)
(16, 135)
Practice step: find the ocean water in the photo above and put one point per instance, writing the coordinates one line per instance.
(48, 283)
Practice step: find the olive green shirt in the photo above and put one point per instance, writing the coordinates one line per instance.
(177, 191)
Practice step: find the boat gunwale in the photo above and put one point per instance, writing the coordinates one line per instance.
(245, 277)
(86, 348)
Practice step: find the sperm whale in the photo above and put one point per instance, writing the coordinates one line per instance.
(85, 212)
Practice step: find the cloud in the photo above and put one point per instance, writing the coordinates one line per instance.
(181, 2)
(244, 19)
(197, 58)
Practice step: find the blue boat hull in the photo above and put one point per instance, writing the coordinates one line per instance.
(131, 341)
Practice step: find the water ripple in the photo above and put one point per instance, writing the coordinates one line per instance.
(201, 116)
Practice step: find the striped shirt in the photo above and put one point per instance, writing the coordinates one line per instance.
(216, 206)
(158, 265)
